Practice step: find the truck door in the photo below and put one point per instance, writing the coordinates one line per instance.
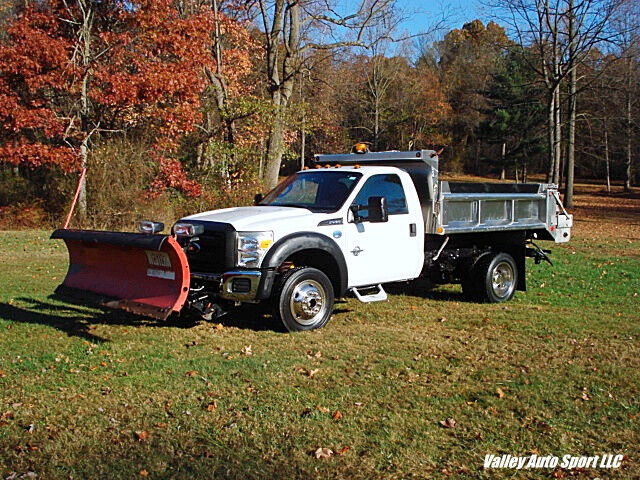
(387, 251)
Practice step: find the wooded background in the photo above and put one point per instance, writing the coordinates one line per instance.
(176, 106)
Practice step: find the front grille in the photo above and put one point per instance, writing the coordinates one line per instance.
(216, 253)
(240, 285)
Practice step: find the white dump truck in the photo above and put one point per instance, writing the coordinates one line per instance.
(346, 226)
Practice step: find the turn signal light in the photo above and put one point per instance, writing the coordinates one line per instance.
(187, 229)
(147, 226)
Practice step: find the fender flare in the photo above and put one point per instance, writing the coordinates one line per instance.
(295, 242)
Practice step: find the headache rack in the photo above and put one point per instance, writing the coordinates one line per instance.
(465, 207)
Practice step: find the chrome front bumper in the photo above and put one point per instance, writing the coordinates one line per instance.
(240, 285)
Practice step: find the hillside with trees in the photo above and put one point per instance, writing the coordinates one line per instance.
(165, 107)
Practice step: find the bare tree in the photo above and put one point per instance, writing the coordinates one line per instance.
(82, 17)
(562, 33)
(291, 29)
(627, 25)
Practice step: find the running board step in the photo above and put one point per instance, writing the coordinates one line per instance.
(378, 296)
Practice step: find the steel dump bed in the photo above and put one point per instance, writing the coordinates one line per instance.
(488, 207)
(465, 207)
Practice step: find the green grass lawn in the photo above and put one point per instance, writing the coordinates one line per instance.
(555, 371)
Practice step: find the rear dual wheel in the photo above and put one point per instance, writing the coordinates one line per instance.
(304, 299)
(492, 279)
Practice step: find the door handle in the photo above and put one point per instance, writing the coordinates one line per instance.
(412, 230)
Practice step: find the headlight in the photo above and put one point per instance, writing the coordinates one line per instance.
(251, 247)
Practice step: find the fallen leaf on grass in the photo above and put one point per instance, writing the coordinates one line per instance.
(144, 473)
(191, 373)
(322, 409)
(358, 404)
(585, 396)
(246, 350)
(306, 412)
(500, 393)
(219, 326)
(343, 450)
(448, 423)
(212, 406)
(311, 373)
(142, 435)
(160, 425)
(323, 453)
(337, 415)
(442, 319)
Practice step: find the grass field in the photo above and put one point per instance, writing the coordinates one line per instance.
(91, 393)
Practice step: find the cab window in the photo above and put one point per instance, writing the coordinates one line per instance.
(385, 185)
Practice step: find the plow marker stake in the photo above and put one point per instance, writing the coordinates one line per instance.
(140, 273)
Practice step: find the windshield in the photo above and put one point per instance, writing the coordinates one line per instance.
(322, 191)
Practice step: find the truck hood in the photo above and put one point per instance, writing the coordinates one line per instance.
(253, 218)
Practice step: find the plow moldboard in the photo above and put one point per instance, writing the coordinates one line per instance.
(140, 273)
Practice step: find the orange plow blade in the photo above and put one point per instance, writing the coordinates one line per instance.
(140, 273)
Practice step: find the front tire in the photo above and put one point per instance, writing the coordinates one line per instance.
(304, 299)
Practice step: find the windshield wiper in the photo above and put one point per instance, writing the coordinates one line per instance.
(293, 205)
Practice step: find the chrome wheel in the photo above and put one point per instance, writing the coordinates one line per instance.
(308, 302)
(502, 280)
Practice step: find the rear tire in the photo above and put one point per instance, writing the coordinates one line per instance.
(304, 299)
(496, 278)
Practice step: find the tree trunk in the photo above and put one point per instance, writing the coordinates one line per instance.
(606, 158)
(558, 137)
(303, 133)
(85, 38)
(504, 164)
(274, 151)
(573, 80)
(628, 122)
(551, 134)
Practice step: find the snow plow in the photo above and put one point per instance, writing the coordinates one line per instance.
(142, 273)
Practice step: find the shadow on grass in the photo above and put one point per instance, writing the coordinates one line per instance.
(424, 289)
(76, 317)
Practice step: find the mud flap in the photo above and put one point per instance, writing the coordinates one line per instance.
(140, 273)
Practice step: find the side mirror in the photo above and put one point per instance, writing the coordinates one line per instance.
(257, 199)
(378, 210)
(352, 216)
